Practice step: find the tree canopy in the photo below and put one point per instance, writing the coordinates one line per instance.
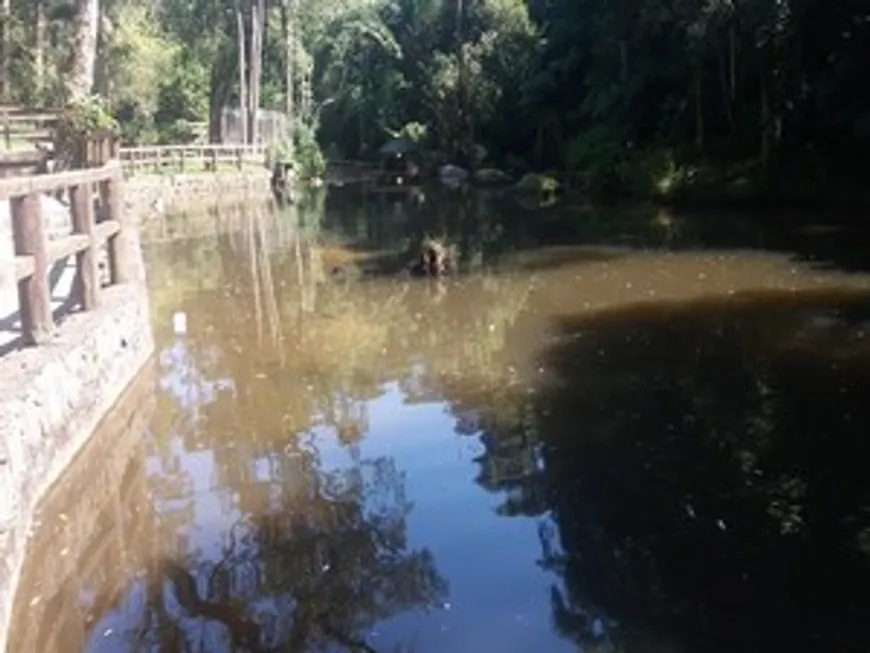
(615, 88)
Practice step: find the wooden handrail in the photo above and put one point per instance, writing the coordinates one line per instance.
(30, 117)
(35, 253)
(179, 157)
(26, 124)
(48, 183)
(256, 148)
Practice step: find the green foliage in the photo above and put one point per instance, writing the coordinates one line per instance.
(182, 99)
(600, 157)
(90, 114)
(279, 152)
(632, 96)
(135, 123)
(138, 56)
(79, 119)
(177, 132)
(415, 132)
(307, 153)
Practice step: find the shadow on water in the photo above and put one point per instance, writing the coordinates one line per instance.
(485, 225)
(633, 444)
(703, 465)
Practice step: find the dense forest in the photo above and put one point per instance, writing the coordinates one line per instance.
(649, 95)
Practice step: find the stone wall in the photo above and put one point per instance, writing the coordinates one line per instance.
(149, 195)
(51, 399)
(93, 529)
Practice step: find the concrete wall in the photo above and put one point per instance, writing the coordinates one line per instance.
(89, 531)
(51, 400)
(149, 195)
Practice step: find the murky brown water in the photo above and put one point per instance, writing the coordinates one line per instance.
(651, 441)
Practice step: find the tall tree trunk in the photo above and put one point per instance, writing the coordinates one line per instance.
(243, 89)
(79, 80)
(461, 95)
(258, 28)
(305, 93)
(220, 89)
(732, 61)
(699, 107)
(252, 73)
(288, 25)
(102, 82)
(765, 120)
(5, 48)
(38, 43)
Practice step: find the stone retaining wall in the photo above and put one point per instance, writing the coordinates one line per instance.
(149, 195)
(88, 531)
(51, 399)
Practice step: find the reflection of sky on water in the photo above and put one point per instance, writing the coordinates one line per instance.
(498, 597)
(181, 378)
(496, 590)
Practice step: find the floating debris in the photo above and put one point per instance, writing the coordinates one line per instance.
(179, 324)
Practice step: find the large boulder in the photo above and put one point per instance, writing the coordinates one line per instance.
(434, 259)
(491, 177)
(537, 183)
(452, 175)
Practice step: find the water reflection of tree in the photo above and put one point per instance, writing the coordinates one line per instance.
(332, 359)
(703, 472)
(303, 577)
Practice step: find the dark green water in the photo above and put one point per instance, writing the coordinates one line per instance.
(616, 430)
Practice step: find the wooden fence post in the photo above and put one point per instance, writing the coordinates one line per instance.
(34, 298)
(120, 257)
(87, 272)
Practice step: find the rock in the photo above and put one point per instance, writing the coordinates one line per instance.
(434, 259)
(452, 175)
(491, 176)
(537, 183)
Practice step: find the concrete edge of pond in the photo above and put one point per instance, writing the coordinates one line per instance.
(149, 195)
(52, 398)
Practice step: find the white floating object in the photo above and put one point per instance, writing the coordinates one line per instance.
(179, 323)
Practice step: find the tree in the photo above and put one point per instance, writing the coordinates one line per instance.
(79, 81)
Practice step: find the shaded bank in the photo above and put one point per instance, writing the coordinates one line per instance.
(485, 225)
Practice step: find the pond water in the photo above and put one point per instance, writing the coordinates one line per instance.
(616, 430)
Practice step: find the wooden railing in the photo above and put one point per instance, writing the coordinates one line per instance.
(190, 158)
(34, 252)
(22, 162)
(23, 127)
